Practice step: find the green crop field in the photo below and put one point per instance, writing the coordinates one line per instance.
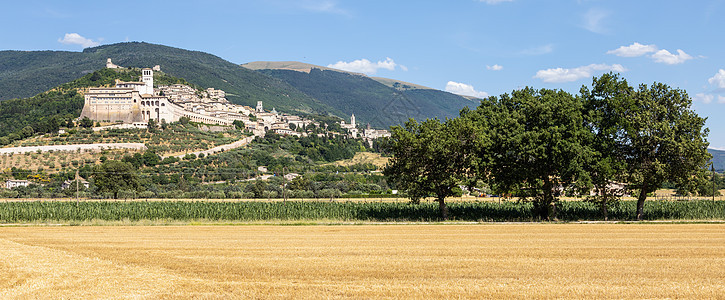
(69, 211)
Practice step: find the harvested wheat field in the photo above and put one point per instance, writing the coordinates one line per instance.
(366, 261)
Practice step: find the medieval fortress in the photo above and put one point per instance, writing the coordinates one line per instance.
(139, 102)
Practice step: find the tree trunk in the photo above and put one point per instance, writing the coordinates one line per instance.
(640, 203)
(548, 207)
(552, 210)
(442, 208)
(604, 209)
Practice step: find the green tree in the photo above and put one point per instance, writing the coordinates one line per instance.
(150, 158)
(238, 124)
(114, 176)
(603, 117)
(86, 122)
(257, 188)
(430, 159)
(27, 131)
(539, 145)
(663, 139)
(152, 124)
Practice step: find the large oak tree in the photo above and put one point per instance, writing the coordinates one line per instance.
(431, 158)
(539, 144)
(652, 130)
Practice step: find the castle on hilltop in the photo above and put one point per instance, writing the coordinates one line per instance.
(139, 102)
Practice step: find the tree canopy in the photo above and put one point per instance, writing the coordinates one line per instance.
(114, 176)
(651, 131)
(431, 158)
(539, 144)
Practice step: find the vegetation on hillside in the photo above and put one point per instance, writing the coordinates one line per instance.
(371, 101)
(319, 92)
(47, 69)
(230, 174)
(49, 111)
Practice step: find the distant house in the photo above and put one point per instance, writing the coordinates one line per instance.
(69, 184)
(13, 183)
(291, 176)
(617, 189)
(285, 132)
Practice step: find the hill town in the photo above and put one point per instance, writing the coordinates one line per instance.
(137, 103)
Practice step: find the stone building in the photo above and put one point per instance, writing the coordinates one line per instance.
(133, 102)
(13, 183)
(139, 101)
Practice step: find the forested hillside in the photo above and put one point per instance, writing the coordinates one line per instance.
(718, 159)
(27, 73)
(371, 101)
(378, 101)
(50, 110)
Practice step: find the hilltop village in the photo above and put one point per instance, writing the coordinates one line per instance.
(136, 103)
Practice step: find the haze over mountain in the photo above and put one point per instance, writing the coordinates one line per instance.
(47, 69)
(378, 101)
(718, 159)
(308, 89)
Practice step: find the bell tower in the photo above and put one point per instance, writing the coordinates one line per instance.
(147, 77)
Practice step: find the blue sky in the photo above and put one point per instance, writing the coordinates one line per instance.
(473, 47)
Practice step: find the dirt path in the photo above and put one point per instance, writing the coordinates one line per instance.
(76, 147)
(222, 148)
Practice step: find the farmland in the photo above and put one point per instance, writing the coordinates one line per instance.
(175, 212)
(371, 261)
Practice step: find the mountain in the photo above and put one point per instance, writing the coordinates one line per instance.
(718, 159)
(379, 101)
(27, 73)
(292, 87)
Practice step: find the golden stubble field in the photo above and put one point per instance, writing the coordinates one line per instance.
(365, 261)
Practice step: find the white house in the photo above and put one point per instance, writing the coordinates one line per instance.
(13, 183)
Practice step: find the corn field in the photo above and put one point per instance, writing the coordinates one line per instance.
(42, 211)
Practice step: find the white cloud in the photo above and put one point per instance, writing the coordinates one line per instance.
(633, 50)
(664, 56)
(77, 39)
(365, 66)
(659, 56)
(594, 19)
(494, 67)
(464, 89)
(568, 75)
(495, 1)
(705, 98)
(718, 80)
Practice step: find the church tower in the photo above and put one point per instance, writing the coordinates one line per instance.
(147, 77)
(259, 107)
(352, 120)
